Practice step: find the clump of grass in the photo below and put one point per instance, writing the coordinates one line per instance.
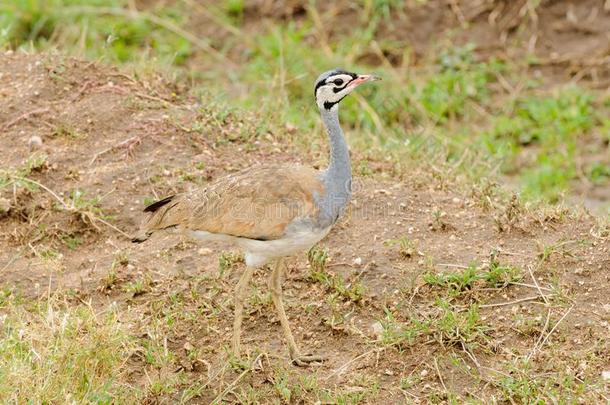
(493, 275)
(67, 131)
(139, 286)
(17, 176)
(453, 327)
(228, 260)
(522, 384)
(445, 324)
(317, 258)
(353, 292)
(50, 352)
(406, 247)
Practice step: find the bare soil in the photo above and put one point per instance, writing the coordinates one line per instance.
(106, 134)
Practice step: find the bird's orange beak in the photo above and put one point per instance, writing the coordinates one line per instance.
(363, 79)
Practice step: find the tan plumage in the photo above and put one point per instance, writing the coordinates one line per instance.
(257, 203)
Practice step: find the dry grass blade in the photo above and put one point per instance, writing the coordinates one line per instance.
(24, 116)
(503, 304)
(529, 269)
(348, 363)
(440, 376)
(555, 327)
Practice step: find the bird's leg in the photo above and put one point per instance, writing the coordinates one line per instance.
(275, 285)
(240, 297)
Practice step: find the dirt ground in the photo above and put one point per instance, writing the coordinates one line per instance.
(110, 136)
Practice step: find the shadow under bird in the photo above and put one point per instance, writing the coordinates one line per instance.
(270, 212)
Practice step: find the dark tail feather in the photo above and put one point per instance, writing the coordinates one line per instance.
(149, 225)
(156, 205)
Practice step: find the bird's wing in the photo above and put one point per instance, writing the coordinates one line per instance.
(258, 203)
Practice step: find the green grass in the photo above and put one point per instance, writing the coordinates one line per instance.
(494, 275)
(348, 291)
(445, 324)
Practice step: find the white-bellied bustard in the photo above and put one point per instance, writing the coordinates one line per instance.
(270, 212)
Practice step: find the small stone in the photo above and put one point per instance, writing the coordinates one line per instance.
(205, 251)
(358, 261)
(35, 142)
(423, 373)
(377, 329)
(606, 375)
(5, 205)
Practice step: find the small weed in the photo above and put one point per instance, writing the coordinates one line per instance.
(521, 384)
(453, 327)
(72, 241)
(406, 247)
(447, 325)
(438, 222)
(110, 280)
(227, 262)
(281, 384)
(67, 131)
(401, 335)
(493, 275)
(17, 177)
(353, 292)
(139, 286)
(317, 258)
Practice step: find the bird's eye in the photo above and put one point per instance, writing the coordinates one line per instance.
(338, 82)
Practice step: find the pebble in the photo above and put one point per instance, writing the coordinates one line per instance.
(377, 329)
(606, 375)
(35, 142)
(204, 251)
(5, 205)
(358, 261)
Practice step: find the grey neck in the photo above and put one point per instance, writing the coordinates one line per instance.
(338, 177)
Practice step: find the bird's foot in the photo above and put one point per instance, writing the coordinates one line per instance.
(304, 360)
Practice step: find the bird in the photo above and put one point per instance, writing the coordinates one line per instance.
(270, 212)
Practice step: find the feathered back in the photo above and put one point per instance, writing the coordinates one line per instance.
(256, 203)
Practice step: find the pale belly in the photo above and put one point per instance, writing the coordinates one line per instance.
(261, 252)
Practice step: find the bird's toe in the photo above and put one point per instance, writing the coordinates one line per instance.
(306, 360)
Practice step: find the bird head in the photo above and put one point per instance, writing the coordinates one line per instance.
(332, 86)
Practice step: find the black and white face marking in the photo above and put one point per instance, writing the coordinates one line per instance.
(331, 87)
